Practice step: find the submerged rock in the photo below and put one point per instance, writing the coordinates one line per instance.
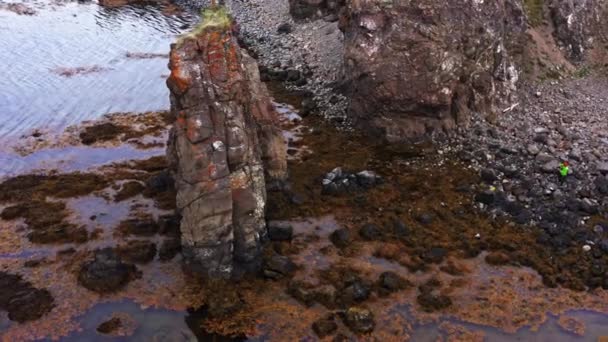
(223, 147)
(341, 237)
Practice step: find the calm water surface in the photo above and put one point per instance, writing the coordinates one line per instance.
(38, 52)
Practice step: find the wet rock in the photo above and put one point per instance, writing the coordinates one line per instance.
(278, 266)
(338, 182)
(110, 326)
(400, 230)
(391, 282)
(280, 231)
(129, 190)
(325, 294)
(359, 320)
(106, 272)
(169, 249)
(224, 146)
(325, 326)
(435, 255)
(301, 291)
(357, 291)
(425, 218)
(341, 237)
(370, 232)
(432, 302)
(139, 227)
(23, 301)
(137, 251)
(46, 221)
(368, 179)
(100, 132)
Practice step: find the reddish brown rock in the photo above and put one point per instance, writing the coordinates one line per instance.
(223, 140)
(424, 66)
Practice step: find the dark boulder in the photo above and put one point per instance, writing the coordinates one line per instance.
(370, 232)
(106, 272)
(23, 301)
(279, 231)
(341, 237)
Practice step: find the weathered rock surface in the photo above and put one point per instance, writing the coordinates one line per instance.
(414, 68)
(418, 67)
(579, 25)
(223, 147)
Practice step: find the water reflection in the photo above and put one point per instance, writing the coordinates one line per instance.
(70, 159)
(82, 35)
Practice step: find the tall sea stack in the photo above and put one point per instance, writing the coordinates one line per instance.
(223, 148)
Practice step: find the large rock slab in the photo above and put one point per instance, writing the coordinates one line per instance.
(223, 148)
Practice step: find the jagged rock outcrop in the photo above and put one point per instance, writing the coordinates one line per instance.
(416, 67)
(579, 25)
(223, 147)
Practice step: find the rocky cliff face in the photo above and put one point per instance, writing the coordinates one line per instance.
(223, 147)
(417, 67)
(580, 25)
(421, 66)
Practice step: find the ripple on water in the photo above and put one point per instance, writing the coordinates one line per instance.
(81, 35)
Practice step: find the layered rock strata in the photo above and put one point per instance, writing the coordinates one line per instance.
(223, 148)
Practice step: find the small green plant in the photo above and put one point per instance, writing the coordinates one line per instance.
(583, 72)
(216, 17)
(534, 11)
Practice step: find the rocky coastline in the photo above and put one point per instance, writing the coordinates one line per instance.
(334, 170)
